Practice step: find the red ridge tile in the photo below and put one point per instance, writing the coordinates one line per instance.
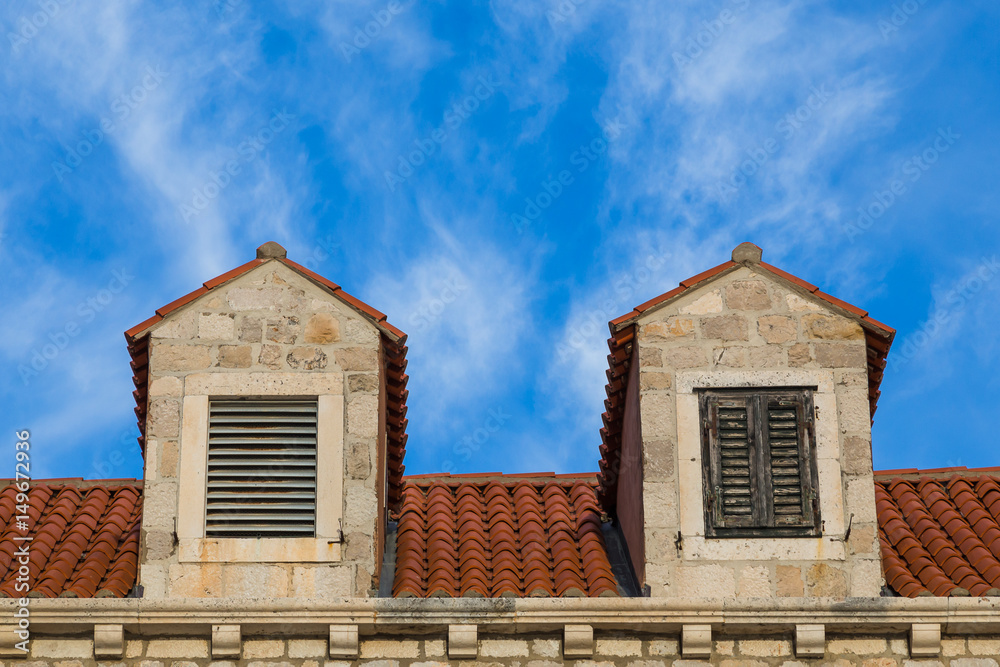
(183, 301)
(710, 273)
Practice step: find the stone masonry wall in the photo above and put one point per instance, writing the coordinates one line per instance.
(269, 320)
(610, 650)
(743, 322)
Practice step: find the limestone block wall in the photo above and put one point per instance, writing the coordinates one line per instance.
(271, 331)
(609, 649)
(748, 329)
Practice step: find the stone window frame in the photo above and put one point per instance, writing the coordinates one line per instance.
(830, 543)
(325, 546)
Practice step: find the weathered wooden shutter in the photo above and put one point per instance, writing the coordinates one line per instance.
(261, 468)
(761, 471)
(788, 435)
(730, 496)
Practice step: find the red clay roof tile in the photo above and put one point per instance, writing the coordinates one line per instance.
(937, 535)
(492, 535)
(85, 538)
(235, 273)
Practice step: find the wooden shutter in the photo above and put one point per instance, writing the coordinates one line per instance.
(789, 439)
(760, 473)
(261, 468)
(730, 496)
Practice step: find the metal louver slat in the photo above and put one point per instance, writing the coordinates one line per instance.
(261, 468)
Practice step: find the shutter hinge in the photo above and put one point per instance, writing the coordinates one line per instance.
(715, 500)
(813, 499)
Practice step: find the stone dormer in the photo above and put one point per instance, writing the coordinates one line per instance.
(271, 406)
(737, 451)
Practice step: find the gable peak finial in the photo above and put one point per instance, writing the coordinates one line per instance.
(271, 250)
(747, 252)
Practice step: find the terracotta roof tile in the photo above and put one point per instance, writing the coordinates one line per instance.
(234, 273)
(940, 535)
(491, 535)
(183, 301)
(85, 538)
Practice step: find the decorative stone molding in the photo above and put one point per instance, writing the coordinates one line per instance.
(226, 641)
(8, 637)
(696, 641)
(925, 639)
(463, 641)
(343, 641)
(578, 641)
(109, 640)
(810, 641)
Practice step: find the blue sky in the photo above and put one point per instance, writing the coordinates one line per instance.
(413, 152)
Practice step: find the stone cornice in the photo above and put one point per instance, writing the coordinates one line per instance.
(375, 616)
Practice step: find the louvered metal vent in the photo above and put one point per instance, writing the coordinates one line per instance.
(261, 468)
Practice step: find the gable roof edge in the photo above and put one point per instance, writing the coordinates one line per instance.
(376, 317)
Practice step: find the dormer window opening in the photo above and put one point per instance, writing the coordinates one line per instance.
(760, 473)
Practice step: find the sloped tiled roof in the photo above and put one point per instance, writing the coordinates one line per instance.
(85, 538)
(494, 535)
(393, 343)
(878, 337)
(940, 531)
(497, 535)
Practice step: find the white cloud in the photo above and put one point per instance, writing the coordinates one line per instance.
(467, 310)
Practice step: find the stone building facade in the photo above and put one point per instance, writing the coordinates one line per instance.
(736, 520)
